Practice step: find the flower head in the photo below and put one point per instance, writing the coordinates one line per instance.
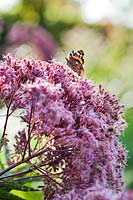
(92, 193)
(27, 40)
(75, 122)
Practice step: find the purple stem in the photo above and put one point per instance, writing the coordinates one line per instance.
(5, 126)
(29, 134)
(23, 161)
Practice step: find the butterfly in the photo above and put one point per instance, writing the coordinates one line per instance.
(76, 61)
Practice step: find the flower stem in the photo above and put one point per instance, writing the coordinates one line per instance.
(23, 161)
(5, 126)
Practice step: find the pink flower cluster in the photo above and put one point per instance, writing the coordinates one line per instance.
(76, 124)
(40, 41)
(93, 193)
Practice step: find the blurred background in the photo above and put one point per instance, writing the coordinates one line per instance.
(103, 29)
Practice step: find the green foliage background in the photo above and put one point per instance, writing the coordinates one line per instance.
(108, 58)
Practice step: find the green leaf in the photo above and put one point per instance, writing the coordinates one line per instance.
(28, 195)
(15, 186)
(4, 195)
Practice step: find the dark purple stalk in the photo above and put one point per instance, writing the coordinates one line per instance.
(29, 135)
(5, 126)
(29, 177)
(45, 173)
(16, 174)
(23, 161)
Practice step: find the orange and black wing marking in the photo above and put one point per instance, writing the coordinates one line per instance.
(76, 61)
